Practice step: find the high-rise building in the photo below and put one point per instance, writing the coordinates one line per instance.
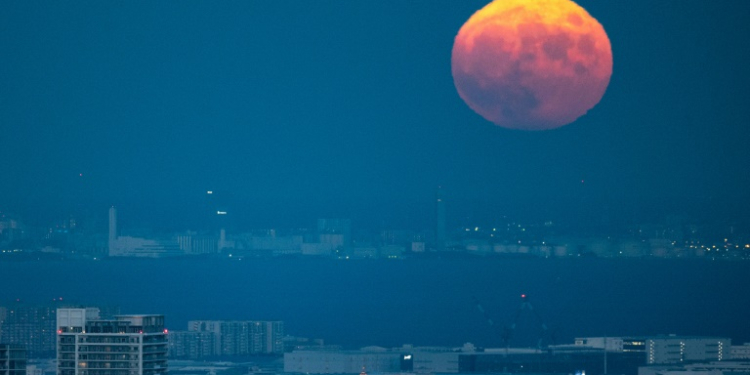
(112, 226)
(12, 359)
(267, 337)
(33, 327)
(30, 326)
(191, 344)
(127, 345)
(242, 337)
(440, 220)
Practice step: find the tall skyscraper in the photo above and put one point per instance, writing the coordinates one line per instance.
(440, 220)
(127, 345)
(112, 226)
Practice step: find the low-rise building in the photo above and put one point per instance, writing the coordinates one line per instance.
(685, 349)
(740, 352)
(712, 368)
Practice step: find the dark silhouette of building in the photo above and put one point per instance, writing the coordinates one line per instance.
(31, 327)
(12, 359)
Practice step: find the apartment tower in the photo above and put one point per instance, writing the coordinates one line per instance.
(126, 345)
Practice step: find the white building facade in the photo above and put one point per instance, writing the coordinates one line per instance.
(127, 345)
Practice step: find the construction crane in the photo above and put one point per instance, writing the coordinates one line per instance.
(507, 331)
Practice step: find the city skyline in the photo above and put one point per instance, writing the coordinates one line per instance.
(318, 168)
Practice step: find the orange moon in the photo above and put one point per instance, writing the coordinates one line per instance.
(531, 64)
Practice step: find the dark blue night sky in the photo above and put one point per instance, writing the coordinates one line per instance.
(300, 109)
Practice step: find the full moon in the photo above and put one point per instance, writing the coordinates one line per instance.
(531, 64)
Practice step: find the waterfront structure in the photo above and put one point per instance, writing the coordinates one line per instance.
(337, 232)
(126, 246)
(192, 243)
(12, 359)
(126, 345)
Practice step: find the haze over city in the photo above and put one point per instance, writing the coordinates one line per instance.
(343, 174)
(306, 110)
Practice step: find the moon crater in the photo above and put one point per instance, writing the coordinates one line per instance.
(531, 64)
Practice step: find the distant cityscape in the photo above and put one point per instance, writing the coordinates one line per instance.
(340, 238)
(70, 340)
